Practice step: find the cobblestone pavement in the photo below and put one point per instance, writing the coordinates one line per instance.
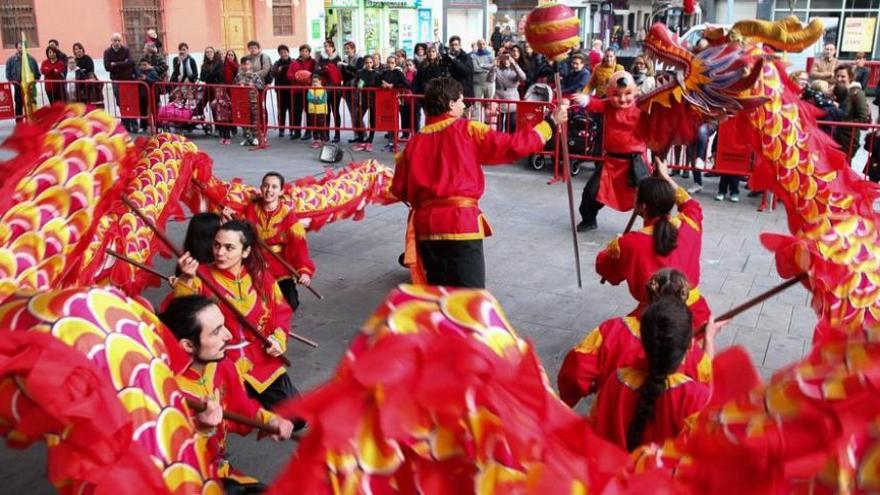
(529, 269)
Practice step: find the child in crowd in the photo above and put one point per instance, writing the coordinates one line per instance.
(316, 97)
(221, 107)
(70, 87)
(367, 78)
(393, 78)
(247, 77)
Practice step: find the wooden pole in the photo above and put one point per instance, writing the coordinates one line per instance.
(562, 140)
(137, 264)
(760, 298)
(293, 271)
(199, 406)
(248, 325)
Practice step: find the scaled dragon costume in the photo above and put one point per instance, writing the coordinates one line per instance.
(425, 393)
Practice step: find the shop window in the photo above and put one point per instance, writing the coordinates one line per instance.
(872, 5)
(782, 14)
(282, 17)
(17, 16)
(788, 6)
(139, 16)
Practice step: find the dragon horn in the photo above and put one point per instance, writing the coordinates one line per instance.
(786, 34)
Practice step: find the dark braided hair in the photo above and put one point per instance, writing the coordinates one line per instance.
(666, 337)
(199, 240)
(255, 264)
(667, 282)
(658, 198)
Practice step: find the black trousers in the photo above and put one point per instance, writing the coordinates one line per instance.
(299, 108)
(288, 289)
(284, 112)
(232, 487)
(280, 390)
(454, 263)
(590, 206)
(18, 98)
(334, 100)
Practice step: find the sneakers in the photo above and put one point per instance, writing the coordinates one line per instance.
(225, 141)
(734, 198)
(368, 147)
(316, 144)
(699, 164)
(695, 189)
(585, 226)
(245, 142)
(389, 147)
(719, 197)
(357, 146)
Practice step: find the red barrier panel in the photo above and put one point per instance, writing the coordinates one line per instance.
(127, 100)
(734, 156)
(8, 93)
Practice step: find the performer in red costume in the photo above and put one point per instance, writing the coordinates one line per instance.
(624, 162)
(240, 272)
(674, 242)
(198, 324)
(651, 398)
(439, 176)
(617, 343)
(279, 227)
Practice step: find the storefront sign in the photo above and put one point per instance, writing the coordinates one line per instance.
(425, 30)
(465, 4)
(405, 4)
(340, 3)
(7, 110)
(858, 34)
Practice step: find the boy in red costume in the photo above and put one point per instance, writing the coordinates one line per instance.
(624, 162)
(440, 177)
(198, 325)
(279, 227)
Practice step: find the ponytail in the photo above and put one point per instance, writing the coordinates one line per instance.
(666, 337)
(658, 197)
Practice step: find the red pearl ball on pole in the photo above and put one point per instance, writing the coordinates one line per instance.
(552, 30)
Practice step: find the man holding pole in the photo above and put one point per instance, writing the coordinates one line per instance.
(439, 176)
(199, 327)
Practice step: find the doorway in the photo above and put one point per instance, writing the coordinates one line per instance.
(238, 24)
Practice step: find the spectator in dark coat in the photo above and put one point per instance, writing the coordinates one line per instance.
(282, 96)
(394, 78)
(578, 76)
(496, 39)
(350, 65)
(120, 65)
(156, 61)
(85, 71)
(459, 65)
(329, 67)
(211, 71)
(184, 66)
(13, 73)
(306, 63)
(860, 72)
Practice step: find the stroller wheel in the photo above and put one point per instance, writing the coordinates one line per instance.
(537, 161)
(575, 167)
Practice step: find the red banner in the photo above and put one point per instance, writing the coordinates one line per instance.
(529, 113)
(241, 105)
(386, 110)
(734, 156)
(129, 100)
(7, 107)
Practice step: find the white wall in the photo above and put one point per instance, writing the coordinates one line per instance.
(742, 9)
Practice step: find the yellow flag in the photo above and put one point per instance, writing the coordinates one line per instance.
(27, 78)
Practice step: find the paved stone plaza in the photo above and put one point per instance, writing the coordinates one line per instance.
(529, 269)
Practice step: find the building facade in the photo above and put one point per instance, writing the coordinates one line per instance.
(200, 23)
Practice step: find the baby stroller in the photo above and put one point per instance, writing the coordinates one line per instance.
(582, 131)
(185, 110)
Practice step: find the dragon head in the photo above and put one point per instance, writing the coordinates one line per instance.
(711, 83)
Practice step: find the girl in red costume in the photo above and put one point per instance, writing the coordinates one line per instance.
(624, 162)
(664, 242)
(651, 398)
(617, 342)
(280, 229)
(239, 272)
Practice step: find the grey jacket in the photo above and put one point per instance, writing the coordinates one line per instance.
(506, 83)
(483, 65)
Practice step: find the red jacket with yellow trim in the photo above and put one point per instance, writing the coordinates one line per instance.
(674, 409)
(262, 303)
(285, 235)
(632, 258)
(221, 381)
(615, 343)
(443, 161)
